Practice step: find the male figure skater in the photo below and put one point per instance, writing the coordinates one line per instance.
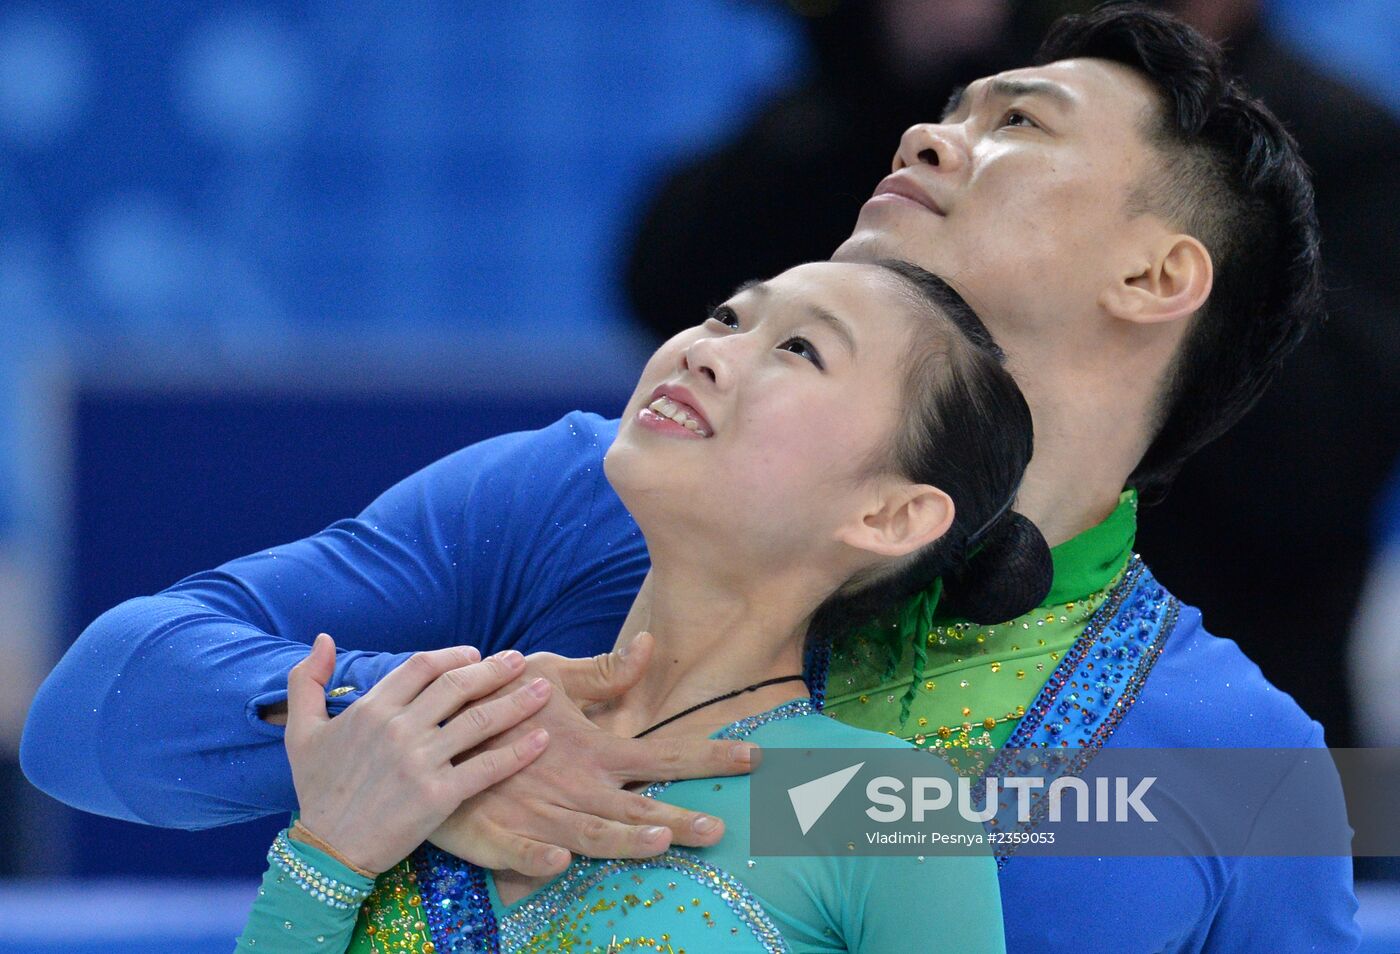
(1136, 232)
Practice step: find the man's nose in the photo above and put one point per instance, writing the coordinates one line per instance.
(931, 144)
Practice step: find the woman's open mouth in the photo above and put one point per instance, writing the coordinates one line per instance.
(664, 412)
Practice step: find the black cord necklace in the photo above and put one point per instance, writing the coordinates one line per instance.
(709, 702)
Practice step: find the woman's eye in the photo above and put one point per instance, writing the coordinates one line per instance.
(803, 348)
(725, 316)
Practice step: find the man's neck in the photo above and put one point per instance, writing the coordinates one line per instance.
(1084, 454)
(1064, 509)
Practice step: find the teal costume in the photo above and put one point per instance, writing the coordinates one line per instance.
(694, 900)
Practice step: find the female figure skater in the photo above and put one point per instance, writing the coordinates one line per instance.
(819, 449)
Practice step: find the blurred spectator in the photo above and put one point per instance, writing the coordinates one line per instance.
(1375, 650)
(788, 187)
(1265, 530)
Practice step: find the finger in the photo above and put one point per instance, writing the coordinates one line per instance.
(687, 827)
(597, 837)
(609, 674)
(452, 690)
(475, 724)
(306, 685)
(485, 769)
(404, 684)
(662, 760)
(536, 859)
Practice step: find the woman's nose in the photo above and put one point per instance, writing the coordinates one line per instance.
(704, 358)
(931, 144)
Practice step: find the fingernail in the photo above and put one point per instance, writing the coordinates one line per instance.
(538, 739)
(741, 753)
(539, 688)
(471, 652)
(705, 824)
(654, 833)
(509, 657)
(622, 653)
(556, 857)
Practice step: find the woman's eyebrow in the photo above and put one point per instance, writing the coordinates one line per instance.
(843, 330)
(954, 102)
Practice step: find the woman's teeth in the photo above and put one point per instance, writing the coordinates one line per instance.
(670, 409)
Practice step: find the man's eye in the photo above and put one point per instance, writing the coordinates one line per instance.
(1017, 118)
(803, 348)
(725, 316)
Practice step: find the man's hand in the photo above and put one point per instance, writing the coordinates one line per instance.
(572, 797)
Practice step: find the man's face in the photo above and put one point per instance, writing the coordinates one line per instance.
(1020, 197)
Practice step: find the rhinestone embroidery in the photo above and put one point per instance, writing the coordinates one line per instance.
(1092, 688)
(323, 888)
(460, 920)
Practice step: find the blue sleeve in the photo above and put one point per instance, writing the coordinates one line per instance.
(151, 715)
(1289, 905)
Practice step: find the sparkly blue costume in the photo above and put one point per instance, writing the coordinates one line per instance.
(519, 541)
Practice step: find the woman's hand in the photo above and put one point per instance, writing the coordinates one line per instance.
(377, 779)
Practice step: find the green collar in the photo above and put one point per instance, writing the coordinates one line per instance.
(926, 649)
(1089, 561)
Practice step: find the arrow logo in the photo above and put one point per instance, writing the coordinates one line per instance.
(810, 800)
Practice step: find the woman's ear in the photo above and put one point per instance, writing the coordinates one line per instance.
(902, 518)
(1170, 282)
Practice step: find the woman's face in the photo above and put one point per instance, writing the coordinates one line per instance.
(758, 422)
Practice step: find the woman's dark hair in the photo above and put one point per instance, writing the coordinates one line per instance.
(967, 431)
(1230, 175)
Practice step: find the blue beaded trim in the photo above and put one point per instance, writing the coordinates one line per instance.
(1091, 690)
(816, 665)
(314, 882)
(788, 710)
(456, 903)
(455, 894)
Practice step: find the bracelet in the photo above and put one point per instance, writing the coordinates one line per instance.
(306, 835)
(320, 886)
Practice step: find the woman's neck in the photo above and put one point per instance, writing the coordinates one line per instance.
(711, 637)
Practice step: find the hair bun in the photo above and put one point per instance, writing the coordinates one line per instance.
(1008, 577)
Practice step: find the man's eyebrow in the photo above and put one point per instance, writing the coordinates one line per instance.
(843, 330)
(1010, 89)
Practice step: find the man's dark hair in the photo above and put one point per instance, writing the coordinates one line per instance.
(1230, 176)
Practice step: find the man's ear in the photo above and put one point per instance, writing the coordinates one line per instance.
(1171, 282)
(902, 518)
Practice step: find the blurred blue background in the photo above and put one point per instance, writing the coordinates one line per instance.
(241, 243)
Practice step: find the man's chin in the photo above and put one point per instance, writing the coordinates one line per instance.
(873, 245)
(864, 245)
